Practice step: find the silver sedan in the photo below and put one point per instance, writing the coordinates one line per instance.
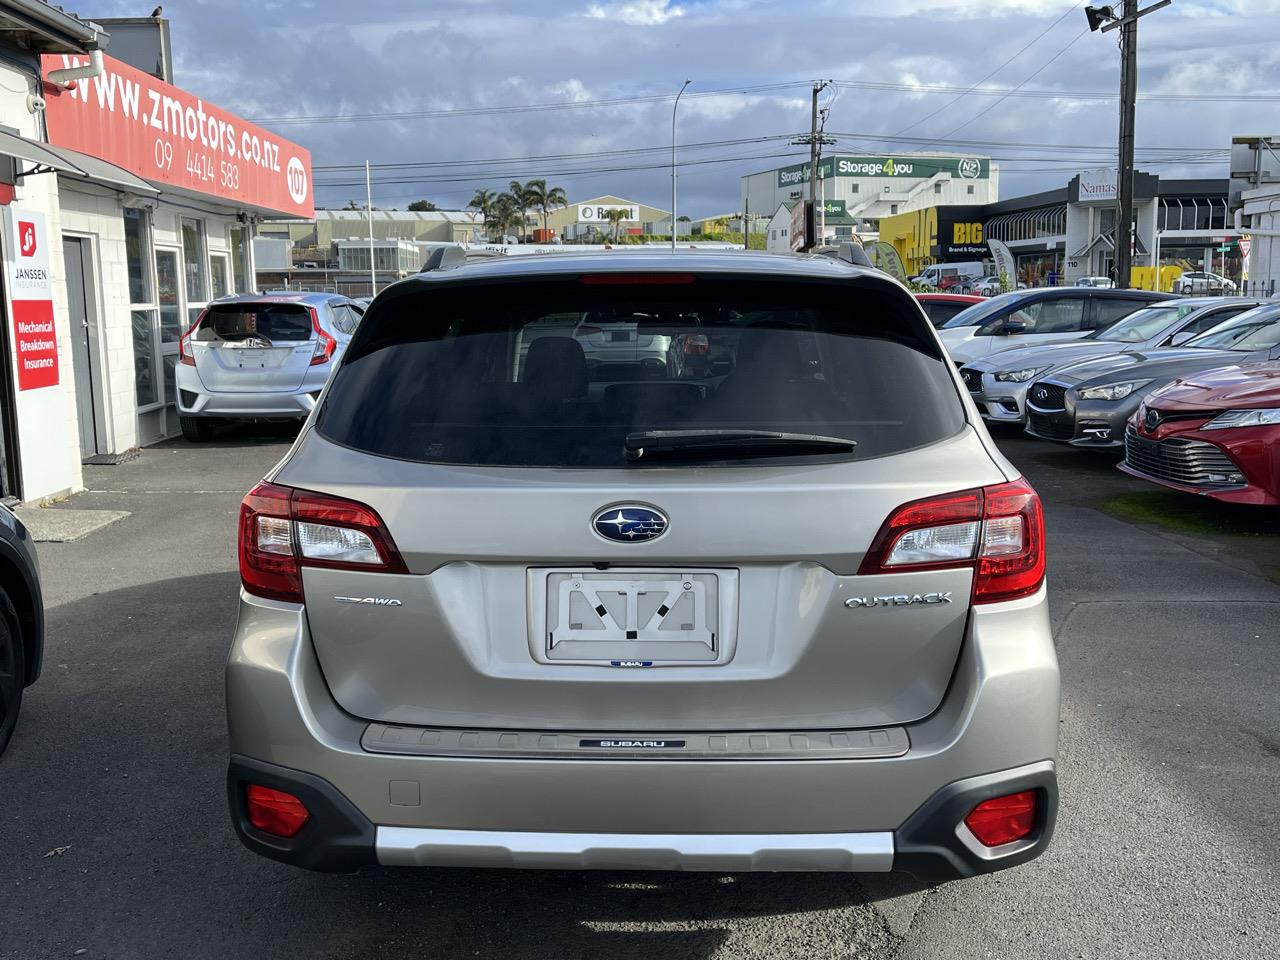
(999, 382)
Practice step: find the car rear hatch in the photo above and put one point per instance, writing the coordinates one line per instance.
(254, 347)
(558, 565)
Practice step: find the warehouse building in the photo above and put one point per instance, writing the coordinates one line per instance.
(586, 220)
(870, 188)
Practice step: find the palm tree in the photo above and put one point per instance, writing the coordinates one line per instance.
(543, 199)
(483, 201)
(520, 194)
(508, 213)
(616, 218)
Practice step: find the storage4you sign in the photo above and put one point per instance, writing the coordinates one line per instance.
(168, 136)
(35, 341)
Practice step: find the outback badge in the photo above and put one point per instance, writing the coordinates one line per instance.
(898, 600)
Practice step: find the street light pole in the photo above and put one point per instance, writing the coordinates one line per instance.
(368, 193)
(674, 108)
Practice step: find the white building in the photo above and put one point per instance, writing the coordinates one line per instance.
(120, 226)
(872, 187)
(1255, 193)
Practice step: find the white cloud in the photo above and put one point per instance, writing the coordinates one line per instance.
(637, 13)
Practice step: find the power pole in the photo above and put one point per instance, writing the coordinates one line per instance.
(815, 139)
(1105, 18)
(1128, 99)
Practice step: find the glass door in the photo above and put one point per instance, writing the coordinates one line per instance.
(169, 300)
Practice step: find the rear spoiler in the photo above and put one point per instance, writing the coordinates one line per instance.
(448, 258)
(848, 251)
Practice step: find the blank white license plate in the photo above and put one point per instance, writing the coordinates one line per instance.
(632, 616)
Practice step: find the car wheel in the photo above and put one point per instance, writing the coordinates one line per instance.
(12, 671)
(196, 429)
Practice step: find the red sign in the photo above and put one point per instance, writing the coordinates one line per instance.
(168, 136)
(35, 338)
(37, 346)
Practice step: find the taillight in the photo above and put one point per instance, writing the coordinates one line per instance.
(325, 344)
(696, 345)
(1002, 820)
(185, 354)
(274, 811)
(998, 531)
(283, 530)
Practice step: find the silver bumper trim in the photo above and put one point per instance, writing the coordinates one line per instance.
(740, 852)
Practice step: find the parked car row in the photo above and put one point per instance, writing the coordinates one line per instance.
(1188, 389)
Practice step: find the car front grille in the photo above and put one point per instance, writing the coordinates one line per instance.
(972, 379)
(1057, 426)
(1047, 396)
(1192, 463)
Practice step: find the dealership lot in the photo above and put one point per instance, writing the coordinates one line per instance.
(1166, 629)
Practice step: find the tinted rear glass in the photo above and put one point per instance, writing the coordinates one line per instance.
(559, 372)
(1255, 329)
(266, 321)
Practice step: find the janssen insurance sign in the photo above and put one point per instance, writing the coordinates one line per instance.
(168, 136)
(916, 167)
(35, 341)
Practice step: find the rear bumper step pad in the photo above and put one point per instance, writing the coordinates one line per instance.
(584, 745)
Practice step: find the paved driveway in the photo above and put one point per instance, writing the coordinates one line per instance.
(1166, 847)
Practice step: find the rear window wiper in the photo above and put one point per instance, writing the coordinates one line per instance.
(655, 444)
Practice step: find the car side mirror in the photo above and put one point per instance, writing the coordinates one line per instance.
(1012, 326)
(1179, 339)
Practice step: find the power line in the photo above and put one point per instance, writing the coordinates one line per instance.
(528, 107)
(929, 116)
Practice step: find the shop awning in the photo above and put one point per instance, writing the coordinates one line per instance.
(44, 157)
(1106, 239)
(96, 170)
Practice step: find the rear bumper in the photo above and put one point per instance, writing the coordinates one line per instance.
(994, 733)
(932, 845)
(293, 405)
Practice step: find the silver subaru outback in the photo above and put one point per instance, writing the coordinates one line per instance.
(502, 608)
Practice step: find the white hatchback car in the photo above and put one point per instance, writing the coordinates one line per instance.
(260, 357)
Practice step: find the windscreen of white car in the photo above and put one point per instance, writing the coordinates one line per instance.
(1257, 329)
(609, 372)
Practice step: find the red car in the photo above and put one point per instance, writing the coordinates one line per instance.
(941, 307)
(1215, 433)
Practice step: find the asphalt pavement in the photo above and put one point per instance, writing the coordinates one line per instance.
(115, 842)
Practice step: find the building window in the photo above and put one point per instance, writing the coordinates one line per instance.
(853, 188)
(241, 281)
(169, 301)
(893, 209)
(193, 260)
(937, 187)
(217, 275)
(142, 312)
(970, 189)
(135, 246)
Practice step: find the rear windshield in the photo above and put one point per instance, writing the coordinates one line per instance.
(558, 373)
(273, 322)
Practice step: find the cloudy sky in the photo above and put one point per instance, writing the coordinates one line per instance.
(434, 85)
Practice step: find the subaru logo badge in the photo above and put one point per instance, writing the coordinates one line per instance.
(629, 523)
(1151, 420)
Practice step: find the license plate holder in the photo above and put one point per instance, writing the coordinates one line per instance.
(635, 618)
